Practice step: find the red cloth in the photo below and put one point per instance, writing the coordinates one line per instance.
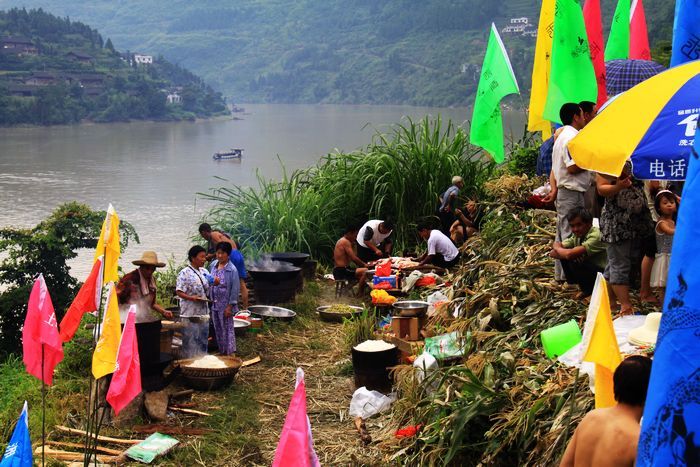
(425, 281)
(639, 38)
(87, 301)
(126, 380)
(296, 444)
(41, 330)
(594, 30)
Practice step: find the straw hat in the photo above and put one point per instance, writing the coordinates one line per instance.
(646, 334)
(148, 258)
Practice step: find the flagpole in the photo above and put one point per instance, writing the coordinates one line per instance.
(43, 407)
(93, 383)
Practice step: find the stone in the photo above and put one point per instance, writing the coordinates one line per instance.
(157, 405)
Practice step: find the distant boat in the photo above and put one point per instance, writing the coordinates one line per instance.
(230, 154)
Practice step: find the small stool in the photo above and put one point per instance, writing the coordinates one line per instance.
(342, 287)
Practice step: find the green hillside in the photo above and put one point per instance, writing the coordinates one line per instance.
(54, 71)
(328, 51)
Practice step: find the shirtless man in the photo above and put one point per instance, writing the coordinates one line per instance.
(213, 238)
(608, 437)
(343, 254)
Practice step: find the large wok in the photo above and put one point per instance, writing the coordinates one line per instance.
(274, 276)
(296, 258)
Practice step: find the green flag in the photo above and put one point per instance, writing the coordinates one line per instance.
(572, 77)
(618, 46)
(497, 81)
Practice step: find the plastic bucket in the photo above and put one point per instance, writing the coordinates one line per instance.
(558, 339)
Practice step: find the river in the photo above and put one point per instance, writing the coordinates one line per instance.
(152, 171)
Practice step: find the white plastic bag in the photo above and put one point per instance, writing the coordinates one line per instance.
(366, 403)
(435, 299)
(424, 364)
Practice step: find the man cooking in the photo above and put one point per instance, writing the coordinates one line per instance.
(441, 251)
(343, 255)
(139, 288)
(373, 240)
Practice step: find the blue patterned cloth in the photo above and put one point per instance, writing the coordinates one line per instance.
(544, 160)
(621, 75)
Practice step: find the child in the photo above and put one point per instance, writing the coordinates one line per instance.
(666, 206)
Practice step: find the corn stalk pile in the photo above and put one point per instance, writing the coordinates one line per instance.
(505, 402)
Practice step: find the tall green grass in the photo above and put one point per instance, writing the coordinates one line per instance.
(399, 175)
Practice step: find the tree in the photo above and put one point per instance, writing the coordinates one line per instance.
(109, 46)
(45, 249)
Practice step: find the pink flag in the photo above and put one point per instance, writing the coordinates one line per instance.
(639, 38)
(41, 330)
(87, 301)
(296, 446)
(126, 380)
(594, 30)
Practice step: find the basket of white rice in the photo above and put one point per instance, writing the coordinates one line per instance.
(210, 371)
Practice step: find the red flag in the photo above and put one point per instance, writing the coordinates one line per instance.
(126, 380)
(594, 30)
(296, 446)
(639, 38)
(87, 301)
(41, 330)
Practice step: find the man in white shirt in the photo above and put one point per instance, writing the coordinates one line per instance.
(373, 241)
(441, 251)
(569, 182)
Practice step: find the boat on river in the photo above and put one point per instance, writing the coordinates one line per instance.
(230, 154)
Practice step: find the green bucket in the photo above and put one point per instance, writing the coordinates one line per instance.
(557, 340)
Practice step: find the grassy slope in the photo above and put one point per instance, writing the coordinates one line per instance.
(348, 52)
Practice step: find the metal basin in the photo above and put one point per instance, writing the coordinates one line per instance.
(337, 317)
(240, 326)
(297, 259)
(272, 312)
(411, 308)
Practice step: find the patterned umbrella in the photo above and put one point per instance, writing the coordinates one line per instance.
(621, 75)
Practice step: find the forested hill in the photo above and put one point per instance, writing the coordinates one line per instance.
(54, 70)
(331, 51)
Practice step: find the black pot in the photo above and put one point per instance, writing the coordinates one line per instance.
(297, 259)
(373, 369)
(274, 276)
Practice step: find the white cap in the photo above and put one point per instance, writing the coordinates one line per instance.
(457, 179)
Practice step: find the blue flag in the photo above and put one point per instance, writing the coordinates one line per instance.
(19, 450)
(671, 422)
(686, 35)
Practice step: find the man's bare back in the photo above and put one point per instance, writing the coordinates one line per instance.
(605, 437)
(341, 256)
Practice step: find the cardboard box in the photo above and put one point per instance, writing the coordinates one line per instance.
(408, 328)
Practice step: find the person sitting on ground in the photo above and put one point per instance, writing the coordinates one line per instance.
(373, 240)
(467, 224)
(213, 238)
(441, 251)
(609, 437)
(448, 201)
(343, 255)
(583, 254)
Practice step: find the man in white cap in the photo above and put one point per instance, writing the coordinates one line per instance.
(448, 200)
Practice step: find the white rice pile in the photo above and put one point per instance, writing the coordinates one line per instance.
(374, 346)
(209, 362)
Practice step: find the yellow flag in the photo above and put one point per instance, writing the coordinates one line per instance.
(108, 245)
(104, 359)
(541, 70)
(600, 344)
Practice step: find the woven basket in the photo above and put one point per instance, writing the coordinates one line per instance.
(233, 364)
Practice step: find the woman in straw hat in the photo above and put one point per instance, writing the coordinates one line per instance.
(139, 288)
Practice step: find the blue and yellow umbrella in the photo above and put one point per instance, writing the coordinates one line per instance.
(654, 124)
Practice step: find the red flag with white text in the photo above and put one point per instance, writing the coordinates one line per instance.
(86, 301)
(126, 380)
(41, 330)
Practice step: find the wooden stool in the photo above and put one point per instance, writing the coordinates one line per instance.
(343, 286)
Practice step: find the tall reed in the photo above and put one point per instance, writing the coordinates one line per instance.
(399, 175)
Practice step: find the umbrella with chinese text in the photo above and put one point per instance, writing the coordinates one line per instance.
(653, 124)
